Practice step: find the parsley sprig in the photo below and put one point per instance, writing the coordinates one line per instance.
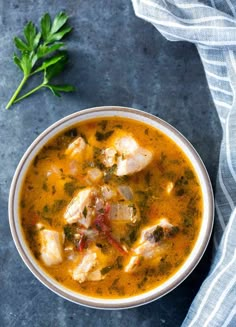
(42, 52)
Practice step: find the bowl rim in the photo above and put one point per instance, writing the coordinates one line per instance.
(66, 293)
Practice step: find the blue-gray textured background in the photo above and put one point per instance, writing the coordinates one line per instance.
(115, 59)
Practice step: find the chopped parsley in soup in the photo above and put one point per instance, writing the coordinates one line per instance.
(111, 208)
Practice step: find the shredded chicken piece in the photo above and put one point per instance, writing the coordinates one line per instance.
(150, 244)
(133, 163)
(131, 158)
(109, 157)
(85, 270)
(127, 155)
(126, 145)
(80, 209)
(51, 247)
(76, 147)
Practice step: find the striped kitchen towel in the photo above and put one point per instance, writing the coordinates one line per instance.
(211, 25)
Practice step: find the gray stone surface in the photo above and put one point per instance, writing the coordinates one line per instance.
(116, 59)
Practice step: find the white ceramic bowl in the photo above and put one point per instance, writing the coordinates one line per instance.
(186, 268)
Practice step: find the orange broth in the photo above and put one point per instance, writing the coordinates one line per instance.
(49, 186)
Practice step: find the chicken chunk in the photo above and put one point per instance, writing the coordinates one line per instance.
(51, 247)
(109, 157)
(80, 209)
(151, 243)
(163, 230)
(126, 211)
(76, 147)
(127, 155)
(86, 270)
(133, 163)
(148, 249)
(145, 251)
(126, 145)
(131, 157)
(169, 229)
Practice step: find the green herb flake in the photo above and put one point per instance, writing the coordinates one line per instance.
(45, 186)
(109, 173)
(181, 181)
(103, 124)
(187, 219)
(158, 234)
(142, 282)
(96, 151)
(189, 173)
(148, 178)
(70, 188)
(58, 205)
(53, 189)
(22, 204)
(172, 231)
(46, 209)
(104, 247)
(103, 136)
(132, 232)
(164, 267)
(163, 157)
(36, 160)
(85, 211)
(119, 262)
(72, 133)
(68, 232)
(97, 158)
(180, 192)
(116, 288)
(106, 270)
(99, 291)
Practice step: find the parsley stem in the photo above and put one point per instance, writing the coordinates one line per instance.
(13, 98)
(30, 92)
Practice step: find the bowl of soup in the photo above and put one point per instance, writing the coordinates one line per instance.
(111, 208)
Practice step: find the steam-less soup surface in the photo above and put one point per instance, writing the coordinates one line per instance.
(111, 208)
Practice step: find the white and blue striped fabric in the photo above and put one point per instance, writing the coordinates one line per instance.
(211, 25)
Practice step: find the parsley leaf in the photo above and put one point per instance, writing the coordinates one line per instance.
(40, 52)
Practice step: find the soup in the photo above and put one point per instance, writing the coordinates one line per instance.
(111, 208)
